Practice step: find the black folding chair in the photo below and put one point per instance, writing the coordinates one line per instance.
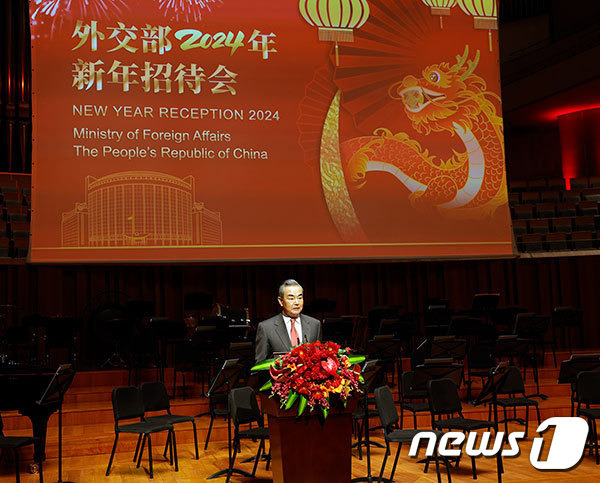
(128, 404)
(588, 394)
(244, 410)
(15, 443)
(573, 366)
(446, 414)
(156, 399)
(512, 385)
(392, 434)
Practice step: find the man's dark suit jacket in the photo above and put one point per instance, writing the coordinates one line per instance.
(272, 335)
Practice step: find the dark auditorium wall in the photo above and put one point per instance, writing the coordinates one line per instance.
(536, 284)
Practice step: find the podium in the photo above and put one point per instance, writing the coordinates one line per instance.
(306, 449)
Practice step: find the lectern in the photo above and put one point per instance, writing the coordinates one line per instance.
(308, 448)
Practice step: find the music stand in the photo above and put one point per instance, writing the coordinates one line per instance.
(573, 366)
(448, 346)
(436, 369)
(226, 378)
(369, 371)
(386, 349)
(512, 346)
(54, 396)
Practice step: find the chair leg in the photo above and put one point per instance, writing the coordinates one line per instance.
(150, 456)
(174, 382)
(268, 458)
(41, 466)
(231, 462)
(258, 453)
(212, 419)
(169, 442)
(437, 467)
(174, 446)
(505, 420)
(195, 439)
(112, 454)
(415, 420)
(137, 448)
(17, 472)
(395, 461)
(385, 457)
(526, 420)
(401, 416)
(139, 461)
(474, 467)
(167, 446)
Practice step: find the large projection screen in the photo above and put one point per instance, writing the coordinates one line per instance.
(205, 130)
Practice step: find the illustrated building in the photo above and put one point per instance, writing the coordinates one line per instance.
(137, 208)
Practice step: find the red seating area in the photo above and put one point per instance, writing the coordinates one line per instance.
(548, 217)
(15, 216)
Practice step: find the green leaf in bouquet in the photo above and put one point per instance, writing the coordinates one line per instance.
(263, 366)
(356, 359)
(361, 379)
(325, 413)
(302, 405)
(291, 399)
(267, 385)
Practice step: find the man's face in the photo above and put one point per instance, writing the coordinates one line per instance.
(292, 301)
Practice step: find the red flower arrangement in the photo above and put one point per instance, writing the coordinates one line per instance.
(312, 373)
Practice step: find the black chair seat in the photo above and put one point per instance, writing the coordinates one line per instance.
(463, 424)
(516, 401)
(144, 428)
(416, 407)
(167, 419)
(254, 433)
(14, 442)
(415, 394)
(593, 413)
(407, 435)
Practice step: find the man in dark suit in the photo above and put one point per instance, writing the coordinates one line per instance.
(287, 329)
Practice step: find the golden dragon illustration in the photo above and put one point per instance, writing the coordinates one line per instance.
(448, 99)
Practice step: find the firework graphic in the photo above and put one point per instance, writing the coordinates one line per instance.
(56, 12)
(186, 10)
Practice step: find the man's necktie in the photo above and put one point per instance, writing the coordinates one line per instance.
(294, 333)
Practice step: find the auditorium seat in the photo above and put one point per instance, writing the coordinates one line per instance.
(17, 217)
(566, 209)
(530, 197)
(556, 241)
(585, 223)
(532, 242)
(4, 229)
(4, 247)
(556, 184)
(514, 199)
(538, 226)
(591, 194)
(518, 186)
(579, 183)
(523, 212)
(573, 196)
(519, 227)
(537, 184)
(545, 210)
(20, 247)
(564, 225)
(583, 240)
(588, 208)
(19, 229)
(550, 197)
(594, 182)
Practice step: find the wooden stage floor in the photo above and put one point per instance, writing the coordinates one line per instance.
(89, 433)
